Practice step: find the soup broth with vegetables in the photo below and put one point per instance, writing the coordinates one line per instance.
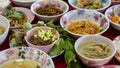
(20, 63)
(95, 50)
(2, 29)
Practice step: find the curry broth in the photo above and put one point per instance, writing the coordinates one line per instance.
(95, 50)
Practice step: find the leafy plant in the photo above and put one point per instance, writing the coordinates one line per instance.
(65, 43)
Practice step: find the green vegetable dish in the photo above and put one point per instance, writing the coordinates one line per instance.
(16, 18)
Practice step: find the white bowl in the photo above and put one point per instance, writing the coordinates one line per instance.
(58, 3)
(106, 3)
(113, 11)
(45, 48)
(77, 15)
(5, 23)
(23, 3)
(3, 5)
(95, 38)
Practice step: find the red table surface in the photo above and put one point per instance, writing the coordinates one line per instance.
(59, 61)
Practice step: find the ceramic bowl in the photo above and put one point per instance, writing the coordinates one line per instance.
(58, 3)
(24, 3)
(97, 61)
(105, 3)
(45, 48)
(78, 15)
(113, 11)
(116, 41)
(3, 5)
(26, 53)
(115, 2)
(4, 22)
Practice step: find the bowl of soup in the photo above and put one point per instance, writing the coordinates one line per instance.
(84, 22)
(4, 28)
(47, 10)
(95, 50)
(25, 57)
(42, 38)
(99, 5)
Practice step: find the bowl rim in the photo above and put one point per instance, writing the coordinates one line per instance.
(100, 9)
(19, 1)
(115, 1)
(40, 28)
(87, 11)
(62, 2)
(108, 17)
(97, 36)
(6, 30)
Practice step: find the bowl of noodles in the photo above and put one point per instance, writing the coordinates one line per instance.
(84, 22)
(113, 14)
(99, 5)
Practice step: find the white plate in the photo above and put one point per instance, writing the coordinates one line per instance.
(27, 53)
